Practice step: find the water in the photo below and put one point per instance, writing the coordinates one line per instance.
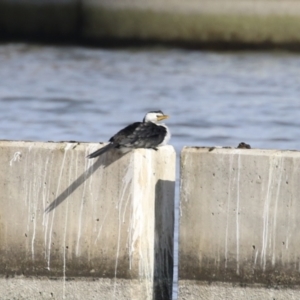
(72, 93)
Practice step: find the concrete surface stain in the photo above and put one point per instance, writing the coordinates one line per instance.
(275, 176)
(65, 232)
(17, 156)
(280, 171)
(86, 166)
(237, 214)
(228, 206)
(49, 238)
(256, 255)
(126, 183)
(46, 196)
(100, 228)
(46, 187)
(266, 215)
(140, 221)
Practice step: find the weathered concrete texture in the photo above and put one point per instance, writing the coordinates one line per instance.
(193, 290)
(72, 288)
(195, 22)
(240, 220)
(63, 215)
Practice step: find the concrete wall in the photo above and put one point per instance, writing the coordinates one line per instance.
(199, 23)
(239, 224)
(64, 217)
(195, 22)
(75, 228)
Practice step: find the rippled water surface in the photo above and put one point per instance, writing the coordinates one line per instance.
(72, 93)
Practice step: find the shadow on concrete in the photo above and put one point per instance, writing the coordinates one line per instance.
(164, 239)
(104, 160)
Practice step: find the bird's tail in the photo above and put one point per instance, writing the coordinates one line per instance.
(101, 150)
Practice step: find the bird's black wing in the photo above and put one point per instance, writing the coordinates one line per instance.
(101, 151)
(124, 133)
(116, 140)
(145, 135)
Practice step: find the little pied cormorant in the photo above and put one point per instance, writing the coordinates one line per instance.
(146, 134)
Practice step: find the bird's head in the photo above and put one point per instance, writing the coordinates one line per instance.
(155, 116)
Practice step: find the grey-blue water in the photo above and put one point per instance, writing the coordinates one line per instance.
(72, 93)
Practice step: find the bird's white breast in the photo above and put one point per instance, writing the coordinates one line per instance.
(167, 137)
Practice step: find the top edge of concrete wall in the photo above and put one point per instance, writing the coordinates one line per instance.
(54, 143)
(51, 145)
(68, 145)
(253, 151)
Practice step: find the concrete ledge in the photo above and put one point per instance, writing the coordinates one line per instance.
(65, 216)
(192, 24)
(240, 220)
(195, 290)
(75, 288)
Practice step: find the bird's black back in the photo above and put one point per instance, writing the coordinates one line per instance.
(124, 133)
(140, 135)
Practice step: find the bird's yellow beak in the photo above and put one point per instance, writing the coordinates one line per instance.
(159, 118)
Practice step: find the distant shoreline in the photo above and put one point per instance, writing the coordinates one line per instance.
(214, 25)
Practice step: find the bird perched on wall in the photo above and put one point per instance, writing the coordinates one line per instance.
(147, 134)
(243, 145)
